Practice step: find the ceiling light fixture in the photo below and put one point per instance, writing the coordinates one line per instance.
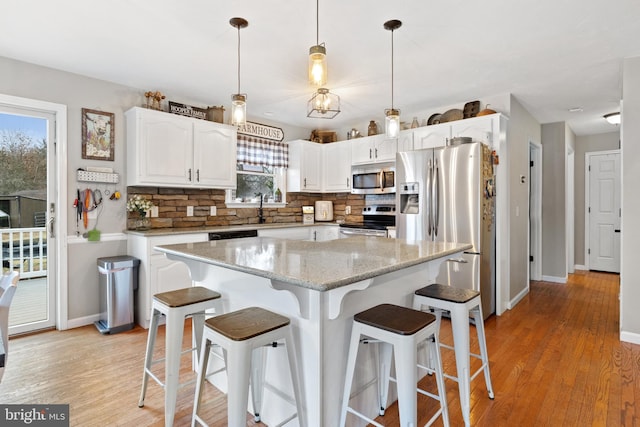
(323, 104)
(238, 100)
(613, 118)
(318, 57)
(392, 116)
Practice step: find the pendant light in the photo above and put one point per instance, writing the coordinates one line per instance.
(238, 100)
(317, 57)
(323, 104)
(392, 116)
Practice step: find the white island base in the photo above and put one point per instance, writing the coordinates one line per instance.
(321, 322)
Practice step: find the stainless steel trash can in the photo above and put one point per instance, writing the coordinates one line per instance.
(118, 280)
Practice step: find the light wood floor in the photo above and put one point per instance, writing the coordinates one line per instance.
(556, 360)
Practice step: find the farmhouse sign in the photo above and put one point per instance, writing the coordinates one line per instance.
(261, 131)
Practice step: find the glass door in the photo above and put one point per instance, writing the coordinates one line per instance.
(27, 194)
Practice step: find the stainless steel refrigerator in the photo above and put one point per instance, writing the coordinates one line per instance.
(447, 194)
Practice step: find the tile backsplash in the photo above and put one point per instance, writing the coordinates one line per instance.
(172, 208)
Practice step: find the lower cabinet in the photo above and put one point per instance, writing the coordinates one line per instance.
(316, 233)
(157, 273)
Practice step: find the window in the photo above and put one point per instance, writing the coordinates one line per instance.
(260, 171)
(253, 181)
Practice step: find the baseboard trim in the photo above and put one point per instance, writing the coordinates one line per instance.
(82, 321)
(630, 337)
(518, 298)
(580, 267)
(554, 279)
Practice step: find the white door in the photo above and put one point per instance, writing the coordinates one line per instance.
(604, 212)
(28, 197)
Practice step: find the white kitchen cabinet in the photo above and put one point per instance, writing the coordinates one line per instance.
(431, 136)
(304, 173)
(156, 273)
(405, 140)
(290, 233)
(168, 150)
(373, 149)
(480, 129)
(323, 233)
(336, 167)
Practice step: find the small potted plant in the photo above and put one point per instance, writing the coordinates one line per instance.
(140, 206)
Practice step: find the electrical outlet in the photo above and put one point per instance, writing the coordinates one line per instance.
(347, 210)
(189, 210)
(213, 211)
(92, 214)
(154, 212)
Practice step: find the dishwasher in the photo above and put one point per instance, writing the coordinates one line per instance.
(234, 234)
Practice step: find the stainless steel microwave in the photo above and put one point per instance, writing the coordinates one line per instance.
(373, 179)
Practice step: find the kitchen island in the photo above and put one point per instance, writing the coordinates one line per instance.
(320, 286)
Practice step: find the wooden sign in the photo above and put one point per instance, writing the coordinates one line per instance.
(261, 131)
(187, 110)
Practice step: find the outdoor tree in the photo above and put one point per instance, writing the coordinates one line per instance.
(24, 163)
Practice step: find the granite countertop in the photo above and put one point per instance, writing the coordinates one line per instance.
(320, 266)
(194, 230)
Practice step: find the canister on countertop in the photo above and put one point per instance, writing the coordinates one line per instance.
(324, 210)
(307, 214)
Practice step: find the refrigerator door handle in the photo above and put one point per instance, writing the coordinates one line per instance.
(429, 197)
(436, 198)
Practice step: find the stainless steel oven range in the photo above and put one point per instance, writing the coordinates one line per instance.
(376, 219)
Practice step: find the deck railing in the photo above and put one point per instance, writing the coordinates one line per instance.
(25, 250)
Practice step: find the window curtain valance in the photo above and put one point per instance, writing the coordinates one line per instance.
(262, 152)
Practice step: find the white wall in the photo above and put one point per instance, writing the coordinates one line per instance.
(556, 137)
(522, 129)
(630, 146)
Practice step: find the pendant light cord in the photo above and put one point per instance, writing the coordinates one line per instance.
(238, 59)
(392, 69)
(317, 22)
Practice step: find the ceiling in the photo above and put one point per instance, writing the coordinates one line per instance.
(552, 55)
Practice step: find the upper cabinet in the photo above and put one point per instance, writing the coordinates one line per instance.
(431, 136)
(405, 140)
(304, 173)
(480, 129)
(336, 167)
(168, 150)
(373, 149)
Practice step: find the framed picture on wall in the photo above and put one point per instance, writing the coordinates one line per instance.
(97, 135)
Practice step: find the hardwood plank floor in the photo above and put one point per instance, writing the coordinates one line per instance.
(556, 360)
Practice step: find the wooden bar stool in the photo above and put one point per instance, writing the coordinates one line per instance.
(401, 330)
(176, 306)
(461, 303)
(244, 336)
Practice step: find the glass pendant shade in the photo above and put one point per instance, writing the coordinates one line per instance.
(239, 109)
(323, 105)
(317, 65)
(392, 123)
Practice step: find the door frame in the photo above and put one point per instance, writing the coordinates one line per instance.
(587, 188)
(535, 209)
(570, 211)
(60, 276)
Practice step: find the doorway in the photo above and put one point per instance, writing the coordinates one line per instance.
(602, 210)
(31, 135)
(535, 211)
